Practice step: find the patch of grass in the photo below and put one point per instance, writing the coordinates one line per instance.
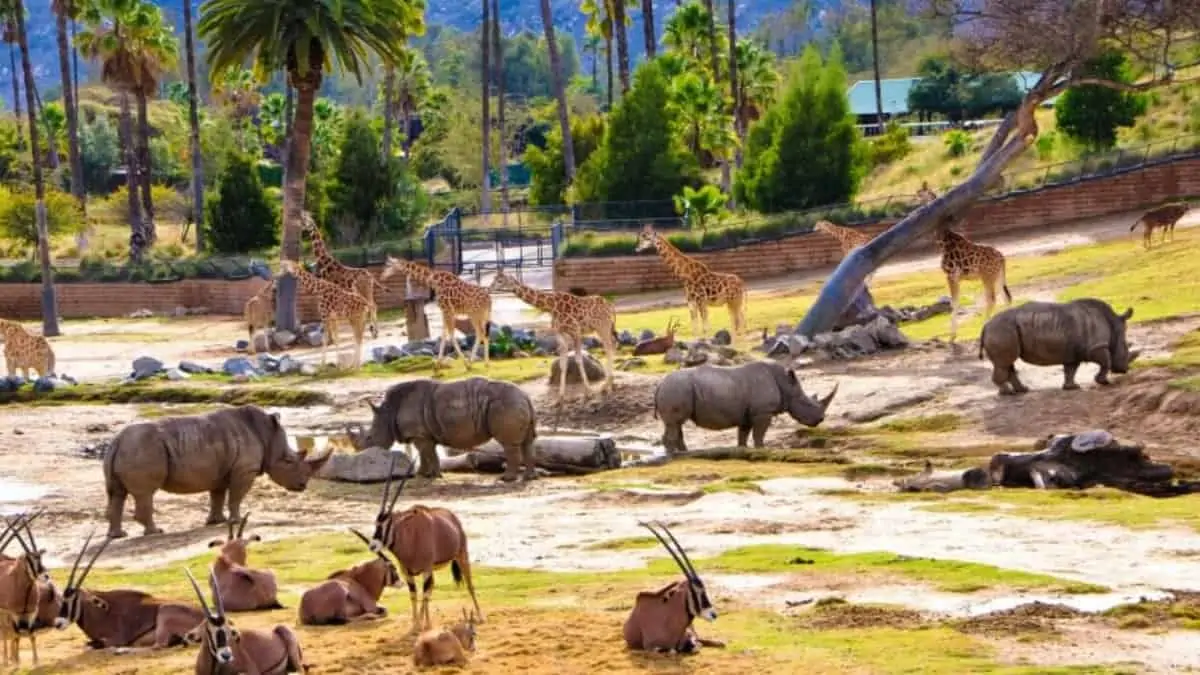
(1185, 356)
(701, 472)
(1186, 383)
(1182, 611)
(623, 544)
(154, 393)
(941, 422)
(156, 410)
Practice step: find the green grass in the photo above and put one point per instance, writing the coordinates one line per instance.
(942, 422)
(155, 393)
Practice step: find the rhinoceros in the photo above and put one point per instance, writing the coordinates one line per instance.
(219, 452)
(462, 414)
(1056, 333)
(746, 396)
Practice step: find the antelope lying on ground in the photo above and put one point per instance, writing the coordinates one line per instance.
(422, 539)
(224, 650)
(662, 620)
(20, 593)
(122, 618)
(660, 344)
(244, 589)
(446, 646)
(350, 595)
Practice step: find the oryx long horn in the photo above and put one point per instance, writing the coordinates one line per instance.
(242, 524)
(216, 589)
(11, 526)
(686, 559)
(95, 556)
(79, 559)
(678, 561)
(824, 403)
(400, 487)
(387, 485)
(229, 529)
(367, 540)
(23, 523)
(199, 593)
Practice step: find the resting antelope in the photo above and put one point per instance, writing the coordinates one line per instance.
(122, 618)
(446, 646)
(350, 595)
(244, 589)
(662, 620)
(225, 650)
(422, 539)
(20, 594)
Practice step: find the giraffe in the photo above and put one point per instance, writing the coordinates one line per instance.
(571, 316)
(259, 311)
(334, 303)
(24, 351)
(455, 297)
(1163, 217)
(332, 270)
(701, 285)
(964, 259)
(848, 238)
(925, 195)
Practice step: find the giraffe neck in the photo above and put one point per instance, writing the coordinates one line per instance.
(421, 274)
(324, 258)
(306, 280)
(680, 265)
(540, 299)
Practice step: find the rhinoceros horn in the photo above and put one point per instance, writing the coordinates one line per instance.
(824, 403)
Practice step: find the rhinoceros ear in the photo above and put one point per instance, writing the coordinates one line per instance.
(1128, 313)
(792, 376)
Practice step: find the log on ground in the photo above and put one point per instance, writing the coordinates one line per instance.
(554, 454)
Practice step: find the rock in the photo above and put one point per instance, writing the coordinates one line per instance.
(268, 363)
(591, 366)
(241, 346)
(175, 375)
(141, 314)
(626, 339)
(673, 355)
(314, 338)
(283, 338)
(238, 365)
(193, 368)
(97, 428)
(9, 385)
(308, 369)
(780, 347)
(592, 342)
(793, 345)
(1092, 440)
(96, 450)
(68, 380)
(386, 354)
(631, 363)
(262, 342)
(698, 357)
(722, 338)
(45, 385)
(548, 343)
(145, 367)
(647, 334)
(540, 352)
(368, 466)
(289, 365)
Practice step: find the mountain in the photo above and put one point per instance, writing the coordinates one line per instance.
(515, 15)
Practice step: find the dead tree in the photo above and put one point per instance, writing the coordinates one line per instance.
(1009, 34)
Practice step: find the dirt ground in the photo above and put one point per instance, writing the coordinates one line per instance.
(537, 525)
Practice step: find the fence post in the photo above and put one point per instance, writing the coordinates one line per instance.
(556, 234)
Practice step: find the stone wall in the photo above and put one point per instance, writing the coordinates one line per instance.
(1086, 198)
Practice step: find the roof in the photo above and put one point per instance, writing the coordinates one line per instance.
(895, 93)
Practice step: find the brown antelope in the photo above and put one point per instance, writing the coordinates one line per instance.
(20, 592)
(122, 618)
(660, 344)
(422, 539)
(48, 597)
(350, 595)
(662, 620)
(446, 646)
(225, 650)
(243, 588)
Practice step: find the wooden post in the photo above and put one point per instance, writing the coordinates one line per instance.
(415, 322)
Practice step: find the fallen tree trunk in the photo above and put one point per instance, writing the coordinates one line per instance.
(573, 455)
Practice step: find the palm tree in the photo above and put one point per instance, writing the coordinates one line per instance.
(64, 10)
(560, 92)
(875, 60)
(10, 37)
(388, 95)
(687, 33)
(648, 27)
(193, 100)
(726, 172)
(600, 24)
(485, 79)
(591, 46)
(413, 86)
(49, 298)
(620, 19)
(305, 37)
(757, 82)
(237, 90)
(498, 69)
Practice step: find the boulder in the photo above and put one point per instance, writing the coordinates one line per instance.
(369, 466)
(239, 365)
(592, 367)
(193, 368)
(262, 342)
(145, 367)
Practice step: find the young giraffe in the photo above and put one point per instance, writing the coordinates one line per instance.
(332, 270)
(1164, 217)
(334, 303)
(258, 312)
(23, 351)
(455, 297)
(701, 285)
(964, 259)
(925, 195)
(571, 316)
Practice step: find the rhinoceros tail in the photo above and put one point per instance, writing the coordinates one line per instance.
(112, 484)
(982, 332)
(1007, 294)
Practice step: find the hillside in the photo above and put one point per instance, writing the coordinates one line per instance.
(516, 15)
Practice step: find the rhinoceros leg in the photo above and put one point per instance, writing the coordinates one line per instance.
(143, 512)
(1017, 386)
(431, 467)
(512, 462)
(743, 434)
(672, 438)
(216, 506)
(760, 430)
(1101, 356)
(116, 511)
(527, 456)
(1069, 382)
(239, 487)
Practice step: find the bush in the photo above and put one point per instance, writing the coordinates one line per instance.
(1091, 114)
(957, 142)
(170, 205)
(892, 146)
(18, 215)
(240, 218)
(548, 183)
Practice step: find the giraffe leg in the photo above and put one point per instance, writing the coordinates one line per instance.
(458, 349)
(695, 315)
(447, 330)
(702, 308)
(325, 328)
(952, 282)
(587, 385)
(562, 367)
(610, 350)
(482, 330)
(989, 298)
(359, 329)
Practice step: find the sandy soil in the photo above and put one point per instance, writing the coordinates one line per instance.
(537, 524)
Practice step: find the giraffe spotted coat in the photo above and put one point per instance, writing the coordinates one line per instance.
(24, 351)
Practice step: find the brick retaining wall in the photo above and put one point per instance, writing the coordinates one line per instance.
(1087, 198)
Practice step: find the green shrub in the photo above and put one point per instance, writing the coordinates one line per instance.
(892, 146)
(18, 214)
(241, 218)
(957, 142)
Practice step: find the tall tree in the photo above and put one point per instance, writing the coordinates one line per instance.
(64, 12)
(485, 122)
(1002, 35)
(389, 119)
(875, 66)
(560, 92)
(498, 69)
(734, 102)
(194, 128)
(49, 297)
(10, 37)
(301, 36)
(648, 28)
(620, 22)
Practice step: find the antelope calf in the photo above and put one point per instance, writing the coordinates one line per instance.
(225, 650)
(243, 588)
(350, 595)
(662, 621)
(446, 646)
(122, 618)
(422, 539)
(22, 581)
